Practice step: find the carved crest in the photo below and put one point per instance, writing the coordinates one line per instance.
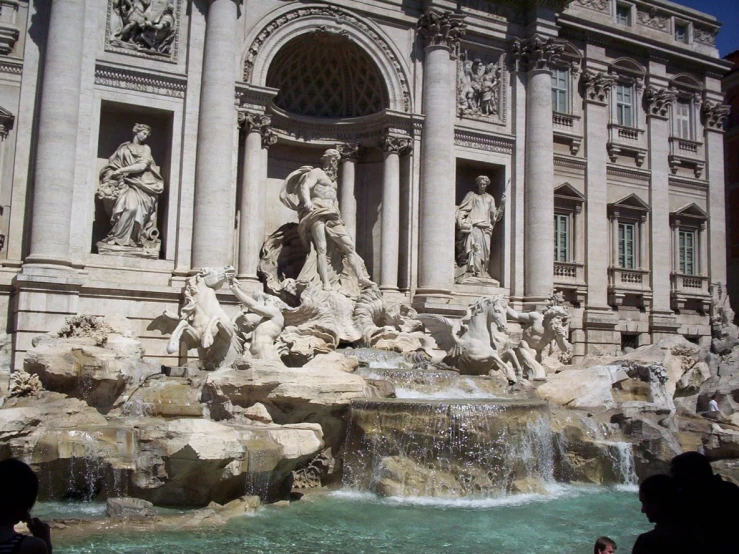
(596, 86)
(658, 100)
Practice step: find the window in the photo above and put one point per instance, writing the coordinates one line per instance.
(626, 249)
(561, 238)
(623, 14)
(560, 78)
(625, 105)
(681, 32)
(683, 121)
(687, 252)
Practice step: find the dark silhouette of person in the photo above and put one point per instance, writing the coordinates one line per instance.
(706, 504)
(658, 495)
(604, 545)
(18, 491)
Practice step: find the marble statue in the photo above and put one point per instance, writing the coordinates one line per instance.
(312, 192)
(130, 185)
(263, 320)
(478, 343)
(477, 88)
(541, 328)
(146, 25)
(725, 332)
(202, 323)
(475, 219)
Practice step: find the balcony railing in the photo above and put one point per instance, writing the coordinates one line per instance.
(687, 153)
(634, 282)
(690, 288)
(567, 127)
(627, 140)
(569, 272)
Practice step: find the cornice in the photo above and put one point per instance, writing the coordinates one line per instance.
(141, 81)
(480, 140)
(687, 183)
(628, 172)
(570, 162)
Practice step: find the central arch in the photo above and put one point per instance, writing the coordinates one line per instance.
(289, 23)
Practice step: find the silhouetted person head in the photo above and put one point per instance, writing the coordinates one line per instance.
(691, 470)
(604, 545)
(657, 495)
(18, 491)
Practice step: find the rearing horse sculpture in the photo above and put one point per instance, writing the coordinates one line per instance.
(478, 343)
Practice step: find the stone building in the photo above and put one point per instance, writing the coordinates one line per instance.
(602, 120)
(731, 145)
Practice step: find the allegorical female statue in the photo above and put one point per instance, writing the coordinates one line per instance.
(476, 217)
(130, 185)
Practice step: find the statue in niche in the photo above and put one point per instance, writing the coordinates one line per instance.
(475, 220)
(145, 25)
(478, 88)
(130, 185)
(333, 259)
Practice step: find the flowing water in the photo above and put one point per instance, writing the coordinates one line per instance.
(567, 520)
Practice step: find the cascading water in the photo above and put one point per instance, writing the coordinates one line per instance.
(623, 462)
(448, 448)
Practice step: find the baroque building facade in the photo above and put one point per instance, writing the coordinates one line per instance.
(601, 121)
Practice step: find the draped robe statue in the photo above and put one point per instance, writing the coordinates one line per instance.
(130, 185)
(475, 219)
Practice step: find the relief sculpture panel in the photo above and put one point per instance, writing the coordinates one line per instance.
(143, 27)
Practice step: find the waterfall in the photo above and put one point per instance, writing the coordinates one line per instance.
(624, 463)
(448, 448)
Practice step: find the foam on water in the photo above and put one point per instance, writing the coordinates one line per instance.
(446, 394)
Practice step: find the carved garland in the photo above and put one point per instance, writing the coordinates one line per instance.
(655, 20)
(715, 114)
(340, 17)
(597, 5)
(597, 85)
(658, 101)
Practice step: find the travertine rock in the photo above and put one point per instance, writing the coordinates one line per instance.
(586, 389)
(122, 508)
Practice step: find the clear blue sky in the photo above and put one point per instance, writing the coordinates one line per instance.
(727, 12)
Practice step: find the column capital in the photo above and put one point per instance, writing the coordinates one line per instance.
(536, 53)
(441, 28)
(237, 2)
(396, 145)
(658, 101)
(349, 151)
(597, 86)
(252, 121)
(714, 115)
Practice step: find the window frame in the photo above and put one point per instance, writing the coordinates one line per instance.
(631, 105)
(687, 123)
(628, 9)
(566, 217)
(682, 265)
(679, 23)
(566, 91)
(623, 226)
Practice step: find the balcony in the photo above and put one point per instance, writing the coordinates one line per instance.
(568, 129)
(690, 289)
(632, 282)
(571, 276)
(686, 153)
(626, 140)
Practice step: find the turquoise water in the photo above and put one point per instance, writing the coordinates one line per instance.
(567, 521)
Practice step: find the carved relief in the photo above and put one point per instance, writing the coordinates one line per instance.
(129, 188)
(259, 123)
(348, 151)
(340, 18)
(596, 86)
(398, 145)
(597, 5)
(655, 20)
(714, 114)
(441, 28)
(705, 36)
(658, 101)
(9, 31)
(140, 81)
(480, 87)
(536, 53)
(143, 27)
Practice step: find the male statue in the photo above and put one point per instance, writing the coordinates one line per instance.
(312, 192)
(476, 217)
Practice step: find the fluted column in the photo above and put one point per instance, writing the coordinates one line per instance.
(441, 32)
(714, 117)
(347, 193)
(596, 87)
(657, 103)
(213, 220)
(252, 205)
(392, 148)
(57, 135)
(536, 53)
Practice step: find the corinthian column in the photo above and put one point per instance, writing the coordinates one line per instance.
(251, 220)
(535, 54)
(441, 31)
(57, 134)
(213, 220)
(347, 193)
(392, 147)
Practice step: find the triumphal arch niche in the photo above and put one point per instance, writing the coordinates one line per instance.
(320, 77)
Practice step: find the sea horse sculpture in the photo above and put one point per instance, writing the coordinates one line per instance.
(478, 343)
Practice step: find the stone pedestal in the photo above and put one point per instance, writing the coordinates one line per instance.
(213, 219)
(57, 135)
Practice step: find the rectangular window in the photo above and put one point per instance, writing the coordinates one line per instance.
(625, 105)
(560, 78)
(561, 238)
(626, 242)
(687, 252)
(623, 14)
(684, 129)
(681, 33)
